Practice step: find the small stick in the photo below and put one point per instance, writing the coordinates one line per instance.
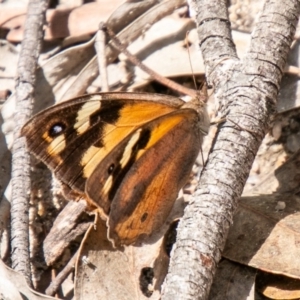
(293, 70)
(64, 230)
(56, 283)
(102, 64)
(165, 81)
(25, 82)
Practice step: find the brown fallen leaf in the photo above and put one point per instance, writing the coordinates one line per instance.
(277, 286)
(61, 22)
(265, 238)
(233, 281)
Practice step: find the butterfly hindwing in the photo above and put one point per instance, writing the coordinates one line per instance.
(140, 178)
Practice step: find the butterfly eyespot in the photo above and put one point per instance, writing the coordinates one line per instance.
(111, 169)
(144, 217)
(56, 129)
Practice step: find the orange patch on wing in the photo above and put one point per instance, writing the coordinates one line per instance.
(112, 135)
(158, 132)
(140, 113)
(146, 209)
(131, 117)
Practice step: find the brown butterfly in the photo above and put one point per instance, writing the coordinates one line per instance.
(126, 154)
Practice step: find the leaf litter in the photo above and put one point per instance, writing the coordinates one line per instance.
(265, 232)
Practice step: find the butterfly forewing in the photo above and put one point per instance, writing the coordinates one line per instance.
(74, 136)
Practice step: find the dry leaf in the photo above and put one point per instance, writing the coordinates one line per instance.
(14, 286)
(278, 287)
(233, 281)
(260, 235)
(166, 52)
(107, 273)
(62, 22)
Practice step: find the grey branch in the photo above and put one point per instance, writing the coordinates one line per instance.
(27, 65)
(247, 92)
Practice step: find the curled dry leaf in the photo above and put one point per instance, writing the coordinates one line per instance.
(14, 286)
(277, 286)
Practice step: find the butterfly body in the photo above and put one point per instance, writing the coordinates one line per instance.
(125, 153)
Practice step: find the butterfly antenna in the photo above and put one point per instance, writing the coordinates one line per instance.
(187, 44)
(167, 82)
(201, 170)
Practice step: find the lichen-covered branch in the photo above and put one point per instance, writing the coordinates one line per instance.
(247, 92)
(27, 65)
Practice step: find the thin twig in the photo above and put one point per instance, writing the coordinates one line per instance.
(100, 49)
(56, 283)
(163, 80)
(31, 45)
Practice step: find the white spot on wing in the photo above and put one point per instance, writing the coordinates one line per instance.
(57, 145)
(128, 149)
(82, 121)
(108, 184)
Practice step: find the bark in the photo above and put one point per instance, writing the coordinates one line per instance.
(27, 65)
(246, 90)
